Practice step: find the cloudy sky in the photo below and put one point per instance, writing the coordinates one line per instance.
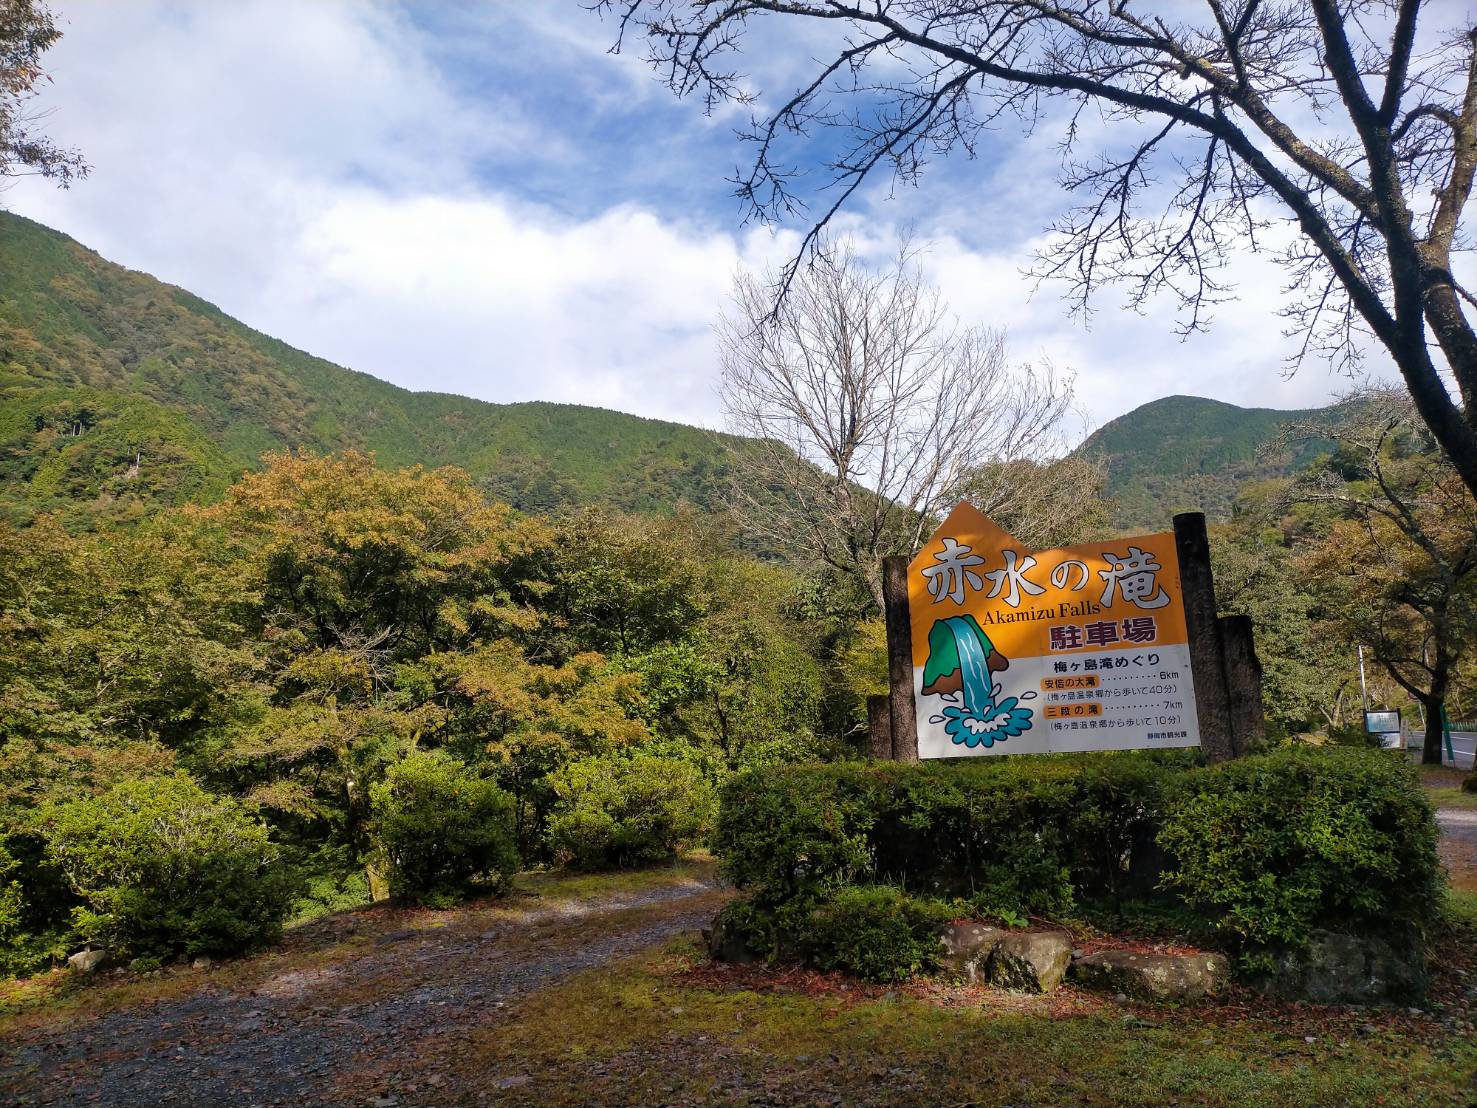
(481, 199)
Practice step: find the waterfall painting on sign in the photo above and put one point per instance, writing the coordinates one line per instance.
(962, 661)
(1019, 652)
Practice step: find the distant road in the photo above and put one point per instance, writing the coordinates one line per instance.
(1463, 745)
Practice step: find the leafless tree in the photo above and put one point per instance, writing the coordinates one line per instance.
(1057, 502)
(1340, 134)
(27, 30)
(870, 408)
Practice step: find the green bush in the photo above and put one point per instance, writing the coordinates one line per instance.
(1258, 851)
(619, 811)
(163, 867)
(876, 932)
(1026, 836)
(35, 906)
(441, 830)
(1267, 848)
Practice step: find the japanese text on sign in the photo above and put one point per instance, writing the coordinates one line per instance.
(1017, 651)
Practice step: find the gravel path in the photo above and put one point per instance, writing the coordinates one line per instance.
(286, 1039)
(1458, 846)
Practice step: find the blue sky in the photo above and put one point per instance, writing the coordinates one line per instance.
(480, 198)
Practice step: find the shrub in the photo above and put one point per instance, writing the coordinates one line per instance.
(625, 811)
(876, 932)
(1258, 851)
(1027, 836)
(163, 867)
(1268, 847)
(35, 906)
(441, 830)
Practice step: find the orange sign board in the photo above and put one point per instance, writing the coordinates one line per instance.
(1018, 651)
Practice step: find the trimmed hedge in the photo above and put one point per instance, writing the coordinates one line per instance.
(876, 932)
(1260, 851)
(161, 867)
(618, 811)
(442, 831)
(1274, 846)
(1024, 836)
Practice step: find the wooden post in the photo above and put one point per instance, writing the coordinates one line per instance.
(879, 728)
(1244, 684)
(899, 658)
(1207, 653)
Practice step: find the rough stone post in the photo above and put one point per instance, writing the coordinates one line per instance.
(1244, 684)
(879, 728)
(1207, 653)
(899, 658)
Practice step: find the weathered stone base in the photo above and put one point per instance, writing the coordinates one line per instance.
(1157, 977)
(1026, 961)
(727, 945)
(968, 948)
(1347, 969)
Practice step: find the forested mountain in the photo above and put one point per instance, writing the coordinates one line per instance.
(1183, 453)
(119, 393)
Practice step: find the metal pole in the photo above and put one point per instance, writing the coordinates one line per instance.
(1363, 688)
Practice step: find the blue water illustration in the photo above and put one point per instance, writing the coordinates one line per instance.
(959, 644)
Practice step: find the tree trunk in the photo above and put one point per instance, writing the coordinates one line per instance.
(1447, 422)
(1431, 748)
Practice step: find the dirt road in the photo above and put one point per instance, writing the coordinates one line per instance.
(355, 990)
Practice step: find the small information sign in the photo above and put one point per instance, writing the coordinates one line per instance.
(1021, 652)
(1387, 726)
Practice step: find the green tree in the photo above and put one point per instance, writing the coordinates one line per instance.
(117, 651)
(1398, 572)
(1309, 679)
(28, 30)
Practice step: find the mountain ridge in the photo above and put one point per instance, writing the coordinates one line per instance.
(1192, 453)
(120, 391)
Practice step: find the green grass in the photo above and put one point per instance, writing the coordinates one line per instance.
(647, 1032)
(1452, 797)
(564, 885)
(1460, 911)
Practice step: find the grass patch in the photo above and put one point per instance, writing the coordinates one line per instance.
(1452, 797)
(644, 1034)
(562, 885)
(1460, 910)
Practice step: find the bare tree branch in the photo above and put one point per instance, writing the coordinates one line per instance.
(871, 409)
(1348, 123)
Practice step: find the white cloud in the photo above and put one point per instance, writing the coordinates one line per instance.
(486, 296)
(314, 170)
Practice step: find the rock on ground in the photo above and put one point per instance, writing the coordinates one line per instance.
(725, 944)
(1145, 976)
(1031, 961)
(967, 949)
(85, 961)
(1347, 969)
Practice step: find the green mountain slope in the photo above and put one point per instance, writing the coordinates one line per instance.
(1185, 453)
(119, 392)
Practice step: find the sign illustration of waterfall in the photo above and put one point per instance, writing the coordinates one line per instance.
(1029, 652)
